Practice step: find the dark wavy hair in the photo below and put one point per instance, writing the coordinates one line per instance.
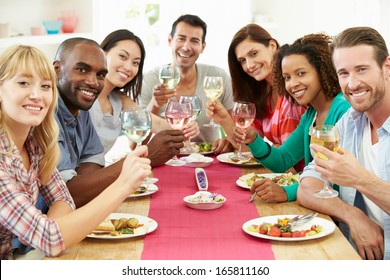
(315, 47)
(193, 21)
(132, 88)
(245, 87)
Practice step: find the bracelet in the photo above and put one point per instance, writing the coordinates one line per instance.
(266, 154)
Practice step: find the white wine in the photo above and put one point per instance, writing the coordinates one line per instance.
(331, 143)
(195, 114)
(169, 82)
(136, 134)
(213, 94)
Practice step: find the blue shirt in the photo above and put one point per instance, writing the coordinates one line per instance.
(352, 124)
(78, 141)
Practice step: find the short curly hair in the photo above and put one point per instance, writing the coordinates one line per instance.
(315, 47)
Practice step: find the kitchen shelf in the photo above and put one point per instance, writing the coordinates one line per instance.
(54, 39)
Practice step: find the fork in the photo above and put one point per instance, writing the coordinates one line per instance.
(300, 220)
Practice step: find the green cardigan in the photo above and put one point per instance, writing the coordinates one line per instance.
(297, 144)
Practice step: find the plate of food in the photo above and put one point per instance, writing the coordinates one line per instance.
(282, 179)
(278, 228)
(204, 200)
(197, 160)
(203, 148)
(123, 225)
(249, 161)
(144, 190)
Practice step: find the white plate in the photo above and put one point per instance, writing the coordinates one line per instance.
(243, 184)
(207, 161)
(226, 159)
(151, 188)
(149, 225)
(327, 228)
(203, 205)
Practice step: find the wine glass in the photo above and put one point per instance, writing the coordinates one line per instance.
(196, 109)
(243, 114)
(213, 87)
(136, 125)
(169, 75)
(178, 114)
(327, 136)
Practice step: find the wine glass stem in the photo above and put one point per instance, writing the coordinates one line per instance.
(239, 154)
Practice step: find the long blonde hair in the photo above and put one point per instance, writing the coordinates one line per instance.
(27, 59)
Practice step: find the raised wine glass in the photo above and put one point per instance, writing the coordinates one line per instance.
(327, 136)
(136, 125)
(169, 75)
(243, 114)
(178, 114)
(196, 109)
(213, 88)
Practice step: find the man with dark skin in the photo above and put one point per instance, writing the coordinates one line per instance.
(80, 65)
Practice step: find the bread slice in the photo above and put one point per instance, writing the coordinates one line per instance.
(106, 225)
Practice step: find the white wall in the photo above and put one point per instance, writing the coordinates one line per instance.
(286, 20)
(289, 20)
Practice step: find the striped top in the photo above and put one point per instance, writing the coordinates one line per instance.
(278, 126)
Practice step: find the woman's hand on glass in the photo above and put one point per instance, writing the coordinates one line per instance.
(216, 111)
(136, 168)
(244, 136)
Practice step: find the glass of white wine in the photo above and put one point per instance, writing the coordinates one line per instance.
(196, 109)
(213, 87)
(327, 136)
(136, 124)
(169, 75)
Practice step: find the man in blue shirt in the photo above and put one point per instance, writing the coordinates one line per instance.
(361, 167)
(80, 65)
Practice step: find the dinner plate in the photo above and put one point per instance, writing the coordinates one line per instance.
(226, 158)
(149, 225)
(150, 189)
(206, 162)
(327, 227)
(243, 184)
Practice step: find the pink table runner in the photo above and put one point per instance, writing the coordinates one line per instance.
(184, 233)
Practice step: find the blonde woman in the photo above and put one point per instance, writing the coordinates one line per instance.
(28, 157)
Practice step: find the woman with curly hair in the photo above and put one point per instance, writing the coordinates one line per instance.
(303, 72)
(250, 58)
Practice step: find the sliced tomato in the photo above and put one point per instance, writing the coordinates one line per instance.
(274, 231)
(263, 230)
(299, 233)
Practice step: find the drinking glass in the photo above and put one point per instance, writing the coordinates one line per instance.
(213, 88)
(178, 114)
(169, 75)
(196, 109)
(136, 125)
(243, 114)
(327, 136)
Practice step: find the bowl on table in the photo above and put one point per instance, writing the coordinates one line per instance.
(52, 26)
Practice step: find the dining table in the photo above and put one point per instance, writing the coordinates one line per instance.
(184, 233)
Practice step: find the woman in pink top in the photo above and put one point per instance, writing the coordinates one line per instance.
(250, 64)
